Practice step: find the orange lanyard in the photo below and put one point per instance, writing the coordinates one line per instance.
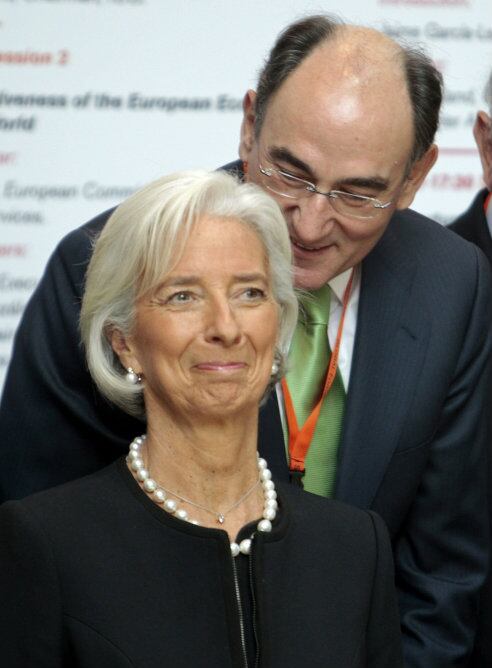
(300, 439)
(486, 203)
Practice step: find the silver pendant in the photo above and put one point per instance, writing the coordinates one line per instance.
(220, 519)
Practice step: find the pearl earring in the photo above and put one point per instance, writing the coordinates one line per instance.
(277, 365)
(132, 377)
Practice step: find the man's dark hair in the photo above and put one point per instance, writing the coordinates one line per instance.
(301, 38)
(425, 86)
(293, 45)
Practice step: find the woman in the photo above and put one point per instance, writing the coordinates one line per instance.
(183, 554)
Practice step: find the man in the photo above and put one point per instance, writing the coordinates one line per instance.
(349, 112)
(476, 225)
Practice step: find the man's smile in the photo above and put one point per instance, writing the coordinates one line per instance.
(300, 248)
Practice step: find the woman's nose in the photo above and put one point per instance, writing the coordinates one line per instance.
(222, 325)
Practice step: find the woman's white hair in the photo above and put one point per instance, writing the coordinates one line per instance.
(142, 242)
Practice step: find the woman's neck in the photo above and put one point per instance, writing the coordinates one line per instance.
(210, 462)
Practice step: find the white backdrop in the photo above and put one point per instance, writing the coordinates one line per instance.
(98, 97)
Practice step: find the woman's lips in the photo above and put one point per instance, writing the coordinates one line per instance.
(224, 367)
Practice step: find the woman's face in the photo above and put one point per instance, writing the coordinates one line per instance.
(204, 340)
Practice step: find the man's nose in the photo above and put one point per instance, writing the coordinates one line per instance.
(313, 216)
(318, 203)
(221, 323)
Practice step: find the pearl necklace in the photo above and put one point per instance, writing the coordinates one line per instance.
(159, 495)
(220, 517)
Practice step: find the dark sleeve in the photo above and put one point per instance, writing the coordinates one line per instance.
(442, 554)
(30, 609)
(383, 633)
(55, 425)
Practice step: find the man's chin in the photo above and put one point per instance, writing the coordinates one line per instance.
(311, 279)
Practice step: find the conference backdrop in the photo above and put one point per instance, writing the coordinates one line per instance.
(98, 97)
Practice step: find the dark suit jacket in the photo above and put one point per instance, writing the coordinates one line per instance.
(472, 225)
(412, 446)
(94, 575)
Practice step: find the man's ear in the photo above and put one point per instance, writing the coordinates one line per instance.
(123, 348)
(248, 125)
(415, 178)
(482, 131)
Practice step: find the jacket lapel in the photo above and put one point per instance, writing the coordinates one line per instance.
(389, 350)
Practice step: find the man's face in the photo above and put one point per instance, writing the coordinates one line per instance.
(340, 135)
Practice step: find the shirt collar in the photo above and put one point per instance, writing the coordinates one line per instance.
(339, 283)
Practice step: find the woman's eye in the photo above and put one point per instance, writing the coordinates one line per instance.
(254, 294)
(181, 297)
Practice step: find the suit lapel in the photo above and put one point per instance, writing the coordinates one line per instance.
(389, 350)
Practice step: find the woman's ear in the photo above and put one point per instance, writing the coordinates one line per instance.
(123, 348)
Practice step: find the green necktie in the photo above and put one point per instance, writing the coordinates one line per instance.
(308, 363)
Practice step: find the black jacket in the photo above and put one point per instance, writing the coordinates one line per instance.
(472, 224)
(94, 575)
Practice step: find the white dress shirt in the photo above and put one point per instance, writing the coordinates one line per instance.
(338, 285)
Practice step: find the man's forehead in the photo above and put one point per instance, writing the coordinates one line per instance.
(340, 109)
(311, 139)
(352, 73)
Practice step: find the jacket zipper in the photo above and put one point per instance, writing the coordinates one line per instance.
(253, 599)
(240, 613)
